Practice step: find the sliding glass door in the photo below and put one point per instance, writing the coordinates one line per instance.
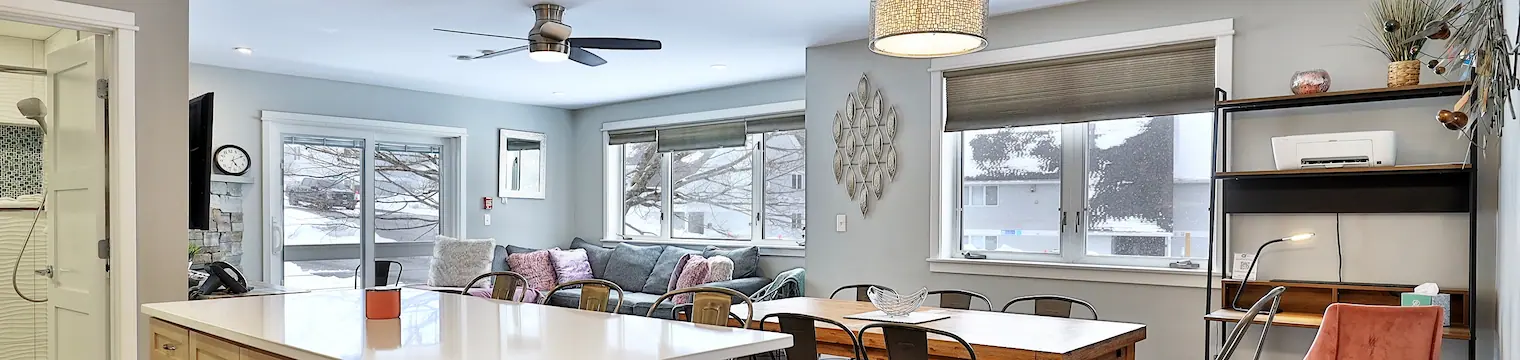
(355, 208)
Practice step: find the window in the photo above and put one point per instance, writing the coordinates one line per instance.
(737, 180)
(1048, 170)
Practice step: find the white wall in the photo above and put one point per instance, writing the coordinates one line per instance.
(1273, 39)
(588, 145)
(241, 94)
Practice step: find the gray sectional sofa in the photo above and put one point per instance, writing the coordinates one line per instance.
(643, 271)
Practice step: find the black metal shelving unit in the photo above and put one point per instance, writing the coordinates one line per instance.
(1439, 188)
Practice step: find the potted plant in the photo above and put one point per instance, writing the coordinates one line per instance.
(194, 250)
(1399, 30)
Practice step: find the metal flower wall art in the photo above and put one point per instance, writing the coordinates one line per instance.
(865, 159)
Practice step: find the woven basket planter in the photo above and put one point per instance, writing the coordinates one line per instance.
(1404, 73)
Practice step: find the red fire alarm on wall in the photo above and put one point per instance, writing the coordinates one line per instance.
(485, 203)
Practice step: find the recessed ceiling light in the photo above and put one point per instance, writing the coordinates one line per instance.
(556, 93)
(719, 67)
(243, 50)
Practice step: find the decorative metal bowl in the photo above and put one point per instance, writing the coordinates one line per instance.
(894, 304)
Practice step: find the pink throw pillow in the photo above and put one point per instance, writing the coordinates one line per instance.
(523, 295)
(570, 265)
(537, 267)
(681, 265)
(695, 273)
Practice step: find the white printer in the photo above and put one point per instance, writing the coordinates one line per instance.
(1348, 149)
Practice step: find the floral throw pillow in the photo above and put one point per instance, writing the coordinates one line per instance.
(536, 266)
(570, 265)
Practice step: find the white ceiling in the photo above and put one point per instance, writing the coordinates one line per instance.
(390, 43)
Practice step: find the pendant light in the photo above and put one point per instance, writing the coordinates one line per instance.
(927, 28)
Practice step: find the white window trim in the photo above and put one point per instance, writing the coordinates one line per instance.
(945, 258)
(612, 216)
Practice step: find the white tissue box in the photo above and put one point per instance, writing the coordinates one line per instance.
(1442, 300)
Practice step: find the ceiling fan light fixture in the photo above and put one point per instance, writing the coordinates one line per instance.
(927, 28)
(548, 56)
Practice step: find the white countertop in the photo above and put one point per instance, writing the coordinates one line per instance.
(331, 325)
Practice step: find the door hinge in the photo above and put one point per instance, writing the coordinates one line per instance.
(103, 248)
(103, 88)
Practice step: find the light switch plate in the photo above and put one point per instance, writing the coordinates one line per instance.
(488, 219)
(839, 223)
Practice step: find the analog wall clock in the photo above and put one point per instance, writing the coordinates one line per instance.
(231, 160)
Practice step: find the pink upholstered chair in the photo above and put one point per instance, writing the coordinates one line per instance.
(1369, 332)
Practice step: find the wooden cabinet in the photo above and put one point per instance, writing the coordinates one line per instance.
(173, 342)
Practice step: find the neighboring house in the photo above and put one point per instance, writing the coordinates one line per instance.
(1025, 215)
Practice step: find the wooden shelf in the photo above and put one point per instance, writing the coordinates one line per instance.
(1345, 171)
(1344, 97)
(1311, 320)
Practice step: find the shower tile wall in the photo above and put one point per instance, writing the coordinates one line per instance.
(20, 161)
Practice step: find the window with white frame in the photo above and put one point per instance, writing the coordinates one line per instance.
(1101, 159)
(729, 180)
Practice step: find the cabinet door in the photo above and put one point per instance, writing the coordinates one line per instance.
(167, 341)
(251, 354)
(204, 347)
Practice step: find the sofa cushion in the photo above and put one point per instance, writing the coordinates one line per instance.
(514, 249)
(456, 262)
(694, 273)
(499, 259)
(570, 265)
(633, 303)
(746, 259)
(630, 265)
(537, 267)
(660, 278)
(597, 255)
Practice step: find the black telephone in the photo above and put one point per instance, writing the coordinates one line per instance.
(223, 275)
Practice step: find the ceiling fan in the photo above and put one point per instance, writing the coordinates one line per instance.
(550, 41)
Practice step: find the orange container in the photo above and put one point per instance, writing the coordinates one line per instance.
(382, 303)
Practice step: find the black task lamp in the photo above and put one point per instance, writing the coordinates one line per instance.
(1234, 302)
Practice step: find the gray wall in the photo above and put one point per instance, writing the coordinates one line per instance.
(1273, 39)
(588, 145)
(242, 94)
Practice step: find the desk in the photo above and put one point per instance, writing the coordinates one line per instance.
(330, 325)
(993, 335)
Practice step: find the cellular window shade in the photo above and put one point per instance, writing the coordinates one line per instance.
(1165, 80)
(780, 123)
(700, 137)
(620, 138)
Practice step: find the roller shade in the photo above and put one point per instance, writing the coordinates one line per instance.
(624, 137)
(782, 123)
(520, 144)
(700, 137)
(1165, 80)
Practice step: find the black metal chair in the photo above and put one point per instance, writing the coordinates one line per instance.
(1269, 304)
(909, 342)
(804, 331)
(595, 294)
(504, 285)
(382, 273)
(959, 299)
(860, 291)
(1052, 305)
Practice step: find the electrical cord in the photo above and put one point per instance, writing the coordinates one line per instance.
(17, 266)
(1340, 259)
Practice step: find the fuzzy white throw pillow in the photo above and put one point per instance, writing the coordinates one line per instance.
(456, 262)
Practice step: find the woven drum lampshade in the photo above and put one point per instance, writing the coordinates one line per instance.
(927, 28)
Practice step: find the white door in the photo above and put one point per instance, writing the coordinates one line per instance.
(76, 202)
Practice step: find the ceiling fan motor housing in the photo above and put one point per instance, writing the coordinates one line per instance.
(549, 31)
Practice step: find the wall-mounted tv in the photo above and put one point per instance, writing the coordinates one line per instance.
(200, 162)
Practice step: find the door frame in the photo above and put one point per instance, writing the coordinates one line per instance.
(120, 28)
(274, 124)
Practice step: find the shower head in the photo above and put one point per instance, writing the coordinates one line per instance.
(33, 108)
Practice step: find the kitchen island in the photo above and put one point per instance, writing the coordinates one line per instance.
(330, 325)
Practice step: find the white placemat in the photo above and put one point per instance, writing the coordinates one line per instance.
(916, 317)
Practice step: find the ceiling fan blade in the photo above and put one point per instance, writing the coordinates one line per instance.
(479, 34)
(500, 53)
(586, 57)
(614, 43)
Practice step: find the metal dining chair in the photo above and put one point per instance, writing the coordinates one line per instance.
(681, 312)
(959, 299)
(860, 291)
(382, 273)
(1269, 304)
(710, 305)
(1053, 305)
(804, 331)
(909, 342)
(595, 294)
(504, 286)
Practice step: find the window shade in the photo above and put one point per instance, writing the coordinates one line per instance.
(781, 123)
(700, 137)
(1165, 80)
(619, 138)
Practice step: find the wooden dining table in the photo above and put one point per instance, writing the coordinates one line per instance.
(993, 335)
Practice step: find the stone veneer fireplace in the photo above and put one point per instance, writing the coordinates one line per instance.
(225, 236)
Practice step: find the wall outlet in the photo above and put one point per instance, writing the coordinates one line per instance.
(488, 219)
(839, 223)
